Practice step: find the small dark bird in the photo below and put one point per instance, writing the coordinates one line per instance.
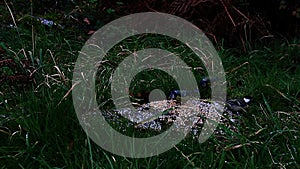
(174, 94)
(177, 94)
(237, 105)
(204, 82)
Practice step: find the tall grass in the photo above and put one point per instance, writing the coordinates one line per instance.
(39, 127)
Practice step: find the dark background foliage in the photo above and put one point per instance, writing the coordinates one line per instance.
(234, 22)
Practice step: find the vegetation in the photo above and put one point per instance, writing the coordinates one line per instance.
(39, 127)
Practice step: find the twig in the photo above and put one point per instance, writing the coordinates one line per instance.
(236, 68)
(11, 14)
(279, 92)
(147, 5)
(186, 157)
(240, 13)
(66, 95)
(241, 145)
(226, 10)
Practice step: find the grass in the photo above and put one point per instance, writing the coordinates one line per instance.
(39, 127)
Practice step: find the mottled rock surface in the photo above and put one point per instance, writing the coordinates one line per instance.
(188, 117)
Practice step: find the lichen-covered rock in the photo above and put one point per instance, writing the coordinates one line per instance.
(188, 117)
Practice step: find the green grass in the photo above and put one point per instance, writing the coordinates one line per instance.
(39, 127)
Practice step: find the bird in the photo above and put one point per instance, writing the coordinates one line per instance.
(204, 83)
(176, 94)
(238, 105)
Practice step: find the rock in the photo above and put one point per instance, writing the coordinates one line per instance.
(190, 116)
